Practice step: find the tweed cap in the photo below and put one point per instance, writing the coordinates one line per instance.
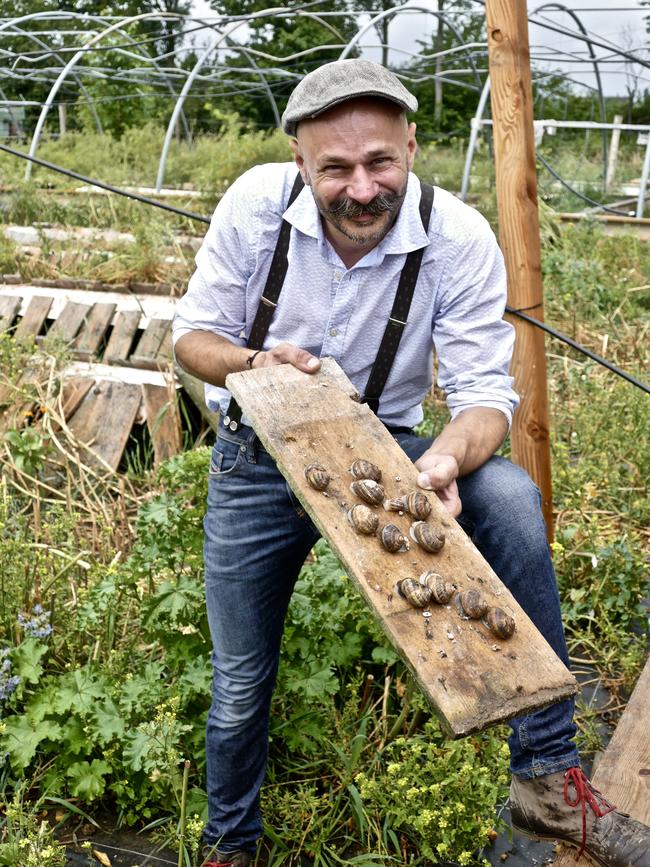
(339, 81)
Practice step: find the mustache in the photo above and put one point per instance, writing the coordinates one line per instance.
(382, 202)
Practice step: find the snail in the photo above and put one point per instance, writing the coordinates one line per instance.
(472, 604)
(414, 592)
(415, 503)
(499, 623)
(426, 536)
(441, 590)
(392, 538)
(363, 519)
(367, 489)
(362, 469)
(317, 476)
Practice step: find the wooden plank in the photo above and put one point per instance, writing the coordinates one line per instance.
(623, 772)
(89, 339)
(119, 344)
(516, 185)
(69, 321)
(74, 391)
(145, 353)
(104, 420)
(472, 679)
(9, 307)
(163, 421)
(34, 316)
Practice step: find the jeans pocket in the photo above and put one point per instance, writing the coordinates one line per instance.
(226, 458)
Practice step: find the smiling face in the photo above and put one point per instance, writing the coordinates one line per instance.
(356, 158)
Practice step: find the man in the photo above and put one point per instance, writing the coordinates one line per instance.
(350, 231)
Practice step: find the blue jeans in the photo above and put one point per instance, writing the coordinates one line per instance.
(257, 536)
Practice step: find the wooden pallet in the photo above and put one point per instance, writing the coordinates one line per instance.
(101, 408)
(472, 679)
(623, 772)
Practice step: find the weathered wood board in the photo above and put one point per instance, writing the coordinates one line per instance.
(89, 339)
(121, 339)
(472, 679)
(146, 352)
(34, 316)
(70, 320)
(623, 772)
(9, 308)
(163, 421)
(104, 420)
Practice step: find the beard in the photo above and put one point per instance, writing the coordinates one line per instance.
(384, 209)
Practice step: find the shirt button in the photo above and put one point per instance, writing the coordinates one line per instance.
(337, 275)
(333, 332)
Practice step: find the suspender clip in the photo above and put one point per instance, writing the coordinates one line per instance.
(396, 321)
(268, 302)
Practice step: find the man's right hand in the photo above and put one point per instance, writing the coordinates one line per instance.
(287, 353)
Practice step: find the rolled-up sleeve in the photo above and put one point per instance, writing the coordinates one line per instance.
(216, 296)
(473, 342)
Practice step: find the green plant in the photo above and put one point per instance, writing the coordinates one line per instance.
(27, 840)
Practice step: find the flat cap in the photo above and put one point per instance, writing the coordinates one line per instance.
(339, 81)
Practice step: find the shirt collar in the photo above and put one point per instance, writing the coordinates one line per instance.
(406, 234)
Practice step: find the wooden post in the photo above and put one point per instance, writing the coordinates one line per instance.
(613, 154)
(516, 184)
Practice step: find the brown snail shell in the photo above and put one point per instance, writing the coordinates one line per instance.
(414, 592)
(472, 604)
(363, 519)
(392, 538)
(499, 623)
(367, 489)
(317, 476)
(415, 503)
(362, 469)
(441, 590)
(426, 536)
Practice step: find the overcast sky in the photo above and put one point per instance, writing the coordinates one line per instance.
(616, 22)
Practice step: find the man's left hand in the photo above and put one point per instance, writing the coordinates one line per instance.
(439, 473)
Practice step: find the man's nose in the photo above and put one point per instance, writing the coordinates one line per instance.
(361, 186)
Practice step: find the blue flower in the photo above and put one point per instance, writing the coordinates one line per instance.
(36, 625)
(8, 681)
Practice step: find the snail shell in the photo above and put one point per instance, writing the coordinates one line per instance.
(362, 469)
(415, 503)
(317, 476)
(472, 604)
(363, 519)
(441, 590)
(414, 592)
(426, 536)
(392, 538)
(367, 489)
(499, 623)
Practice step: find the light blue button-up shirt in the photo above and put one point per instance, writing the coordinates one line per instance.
(331, 310)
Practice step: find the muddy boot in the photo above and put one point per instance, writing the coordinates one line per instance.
(566, 807)
(213, 858)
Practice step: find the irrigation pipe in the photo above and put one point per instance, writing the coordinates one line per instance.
(147, 201)
(579, 347)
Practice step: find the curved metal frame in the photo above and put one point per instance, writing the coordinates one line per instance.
(118, 27)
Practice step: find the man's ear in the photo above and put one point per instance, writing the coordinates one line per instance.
(299, 159)
(411, 146)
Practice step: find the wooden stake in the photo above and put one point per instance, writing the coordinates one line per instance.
(516, 182)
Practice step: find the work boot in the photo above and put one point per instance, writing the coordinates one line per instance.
(565, 806)
(213, 858)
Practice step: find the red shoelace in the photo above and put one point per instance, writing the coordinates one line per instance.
(585, 794)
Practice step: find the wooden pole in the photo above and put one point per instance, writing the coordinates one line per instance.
(516, 184)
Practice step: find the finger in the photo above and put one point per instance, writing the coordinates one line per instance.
(435, 478)
(299, 358)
